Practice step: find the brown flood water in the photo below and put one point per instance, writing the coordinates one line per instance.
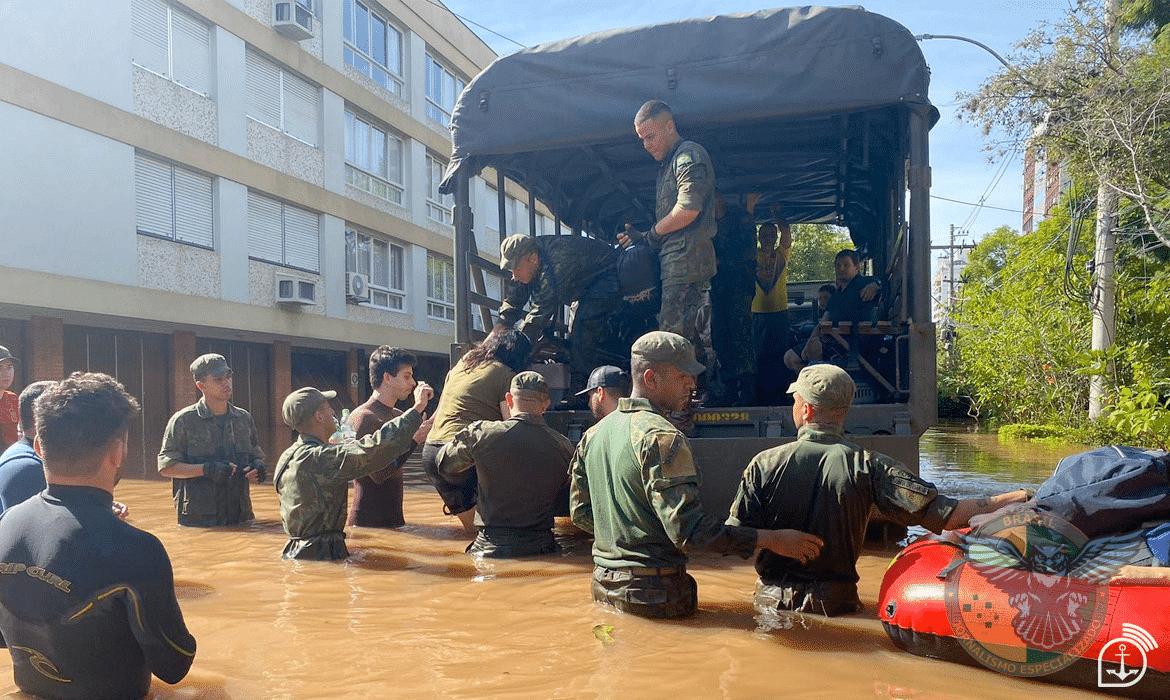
(409, 615)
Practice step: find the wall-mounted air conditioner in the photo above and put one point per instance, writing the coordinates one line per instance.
(357, 290)
(292, 19)
(295, 290)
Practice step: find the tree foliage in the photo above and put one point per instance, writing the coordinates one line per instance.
(1093, 98)
(814, 246)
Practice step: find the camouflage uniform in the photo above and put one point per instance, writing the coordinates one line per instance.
(195, 436)
(312, 479)
(572, 268)
(636, 488)
(687, 257)
(732, 290)
(522, 466)
(824, 485)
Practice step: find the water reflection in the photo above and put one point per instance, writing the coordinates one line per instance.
(964, 462)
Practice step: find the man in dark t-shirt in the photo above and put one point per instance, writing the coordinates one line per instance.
(87, 601)
(377, 497)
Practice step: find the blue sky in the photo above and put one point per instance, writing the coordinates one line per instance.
(961, 168)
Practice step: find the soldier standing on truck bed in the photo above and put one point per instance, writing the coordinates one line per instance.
(685, 208)
(553, 271)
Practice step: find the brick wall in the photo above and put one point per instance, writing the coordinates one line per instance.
(281, 387)
(183, 353)
(45, 340)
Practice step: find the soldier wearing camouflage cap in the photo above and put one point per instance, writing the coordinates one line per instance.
(635, 486)
(211, 452)
(826, 485)
(550, 272)
(522, 467)
(9, 404)
(312, 476)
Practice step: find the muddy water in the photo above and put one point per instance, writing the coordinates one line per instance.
(411, 616)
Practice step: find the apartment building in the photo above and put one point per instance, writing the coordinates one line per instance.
(257, 178)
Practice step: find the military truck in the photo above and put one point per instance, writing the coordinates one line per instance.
(822, 110)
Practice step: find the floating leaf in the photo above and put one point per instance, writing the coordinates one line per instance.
(604, 633)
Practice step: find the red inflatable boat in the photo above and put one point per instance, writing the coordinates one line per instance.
(940, 599)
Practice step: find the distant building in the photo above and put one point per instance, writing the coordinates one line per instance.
(1044, 182)
(257, 178)
(946, 284)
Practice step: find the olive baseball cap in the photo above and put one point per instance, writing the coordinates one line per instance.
(515, 247)
(529, 385)
(211, 363)
(300, 405)
(662, 347)
(6, 355)
(606, 376)
(824, 386)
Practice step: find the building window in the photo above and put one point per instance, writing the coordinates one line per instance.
(280, 99)
(172, 43)
(382, 263)
(443, 88)
(438, 205)
(440, 288)
(282, 234)
(172, 202)
(373, 159)
(373, 46)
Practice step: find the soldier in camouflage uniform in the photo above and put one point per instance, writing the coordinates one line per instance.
(826, 486)
(312, 476)
(211, 453)
(732, 289)
(523, 470)
(552, 271)
(685, 226)
(635, 486)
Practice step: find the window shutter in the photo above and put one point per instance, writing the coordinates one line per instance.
(263, 85)
(264, 229)
(300, 108)
(152, 196)
(192, 52)
(193, 209)
(301, 240)
(148, 21)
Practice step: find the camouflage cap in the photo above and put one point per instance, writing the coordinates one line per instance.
(5, 355)
(824, 386)
(515, 247)
(300, 405)
(529, 385)
(211, 363)
(662, 347)
(606, 376)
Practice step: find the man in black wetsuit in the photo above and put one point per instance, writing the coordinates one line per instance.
(87, 602)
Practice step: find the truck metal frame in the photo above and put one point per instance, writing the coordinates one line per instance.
(822, 110)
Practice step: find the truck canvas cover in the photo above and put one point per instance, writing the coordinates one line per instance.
(807, 105)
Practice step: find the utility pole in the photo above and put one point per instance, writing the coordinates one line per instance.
(1103, 297)
(950, 280)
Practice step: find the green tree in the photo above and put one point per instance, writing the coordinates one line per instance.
(990, 255)
(814, 246)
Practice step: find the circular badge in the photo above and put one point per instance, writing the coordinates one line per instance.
(1014, 598)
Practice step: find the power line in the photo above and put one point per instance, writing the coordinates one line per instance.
(470, 21)
(974, 204)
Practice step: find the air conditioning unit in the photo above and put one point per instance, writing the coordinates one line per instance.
(292, 19)
(295, 290)
(357, 289)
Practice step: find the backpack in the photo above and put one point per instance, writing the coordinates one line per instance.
(637, 268)
(1108, 490)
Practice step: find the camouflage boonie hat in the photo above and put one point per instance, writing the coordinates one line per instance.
(515, 247)
(6, 355)
(211, 363)
(300, 405)
(662, 347)
(529, 385)
(824, 386)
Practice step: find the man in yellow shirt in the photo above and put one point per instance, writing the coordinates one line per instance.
(770, 311)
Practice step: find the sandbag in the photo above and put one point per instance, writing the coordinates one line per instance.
(1108, 490)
